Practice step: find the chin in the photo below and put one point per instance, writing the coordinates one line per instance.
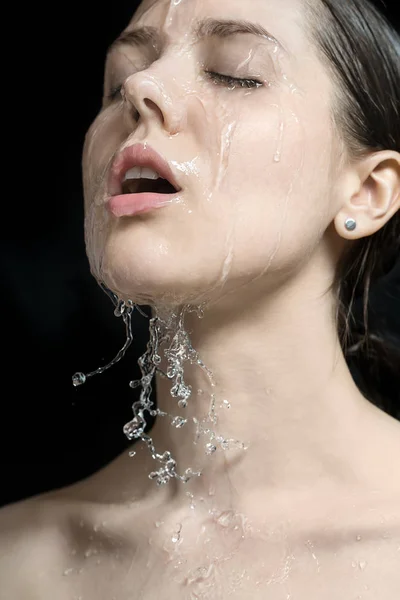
(154, 272)
(145, 280)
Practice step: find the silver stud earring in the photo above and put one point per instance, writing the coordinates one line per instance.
(350, 224)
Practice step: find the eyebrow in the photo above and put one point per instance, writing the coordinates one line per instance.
(226, 28)
(143, 36)
(149, 36)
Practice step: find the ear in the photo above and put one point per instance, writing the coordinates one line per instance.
(377, 197)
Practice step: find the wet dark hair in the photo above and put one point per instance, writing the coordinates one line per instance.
(361, 49)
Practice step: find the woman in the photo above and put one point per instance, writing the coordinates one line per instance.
(241, 179)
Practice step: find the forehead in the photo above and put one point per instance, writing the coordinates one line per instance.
(283, 18)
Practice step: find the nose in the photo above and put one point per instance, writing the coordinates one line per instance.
(147, 98)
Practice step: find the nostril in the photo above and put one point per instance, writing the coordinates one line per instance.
(150, 104)
(153, 107)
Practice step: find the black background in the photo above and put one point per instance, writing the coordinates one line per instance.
(55, 320)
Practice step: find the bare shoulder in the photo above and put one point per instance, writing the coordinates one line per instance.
(31, 547)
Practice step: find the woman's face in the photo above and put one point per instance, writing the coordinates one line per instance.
(243, 121)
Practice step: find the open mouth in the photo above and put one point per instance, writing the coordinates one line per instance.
(141, 180)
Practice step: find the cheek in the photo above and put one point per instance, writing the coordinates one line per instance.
(102, 140)
(277, 189)
(279, 148)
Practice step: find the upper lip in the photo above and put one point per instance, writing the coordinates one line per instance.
(138, 155)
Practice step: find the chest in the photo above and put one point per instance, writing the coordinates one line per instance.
(247, 569)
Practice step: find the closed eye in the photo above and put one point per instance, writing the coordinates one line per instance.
(218, 78)
(233, 82)
(116, 91)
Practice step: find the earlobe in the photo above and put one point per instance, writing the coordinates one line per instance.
(377, 200)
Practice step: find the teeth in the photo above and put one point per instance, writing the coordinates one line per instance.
(149, 174)
(141, 173)
(134, 173)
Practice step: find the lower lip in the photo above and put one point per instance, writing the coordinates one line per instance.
(128, 205)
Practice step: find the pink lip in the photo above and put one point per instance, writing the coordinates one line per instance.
(138, 155)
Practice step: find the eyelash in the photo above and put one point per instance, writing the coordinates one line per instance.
(231, 82)
(114, 92)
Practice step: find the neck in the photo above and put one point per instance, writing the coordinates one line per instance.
(273, 405)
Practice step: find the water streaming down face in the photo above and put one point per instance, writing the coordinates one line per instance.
(220, 114)
(201, 119)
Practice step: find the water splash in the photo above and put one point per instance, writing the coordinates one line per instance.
(167, 334)
(125, 311)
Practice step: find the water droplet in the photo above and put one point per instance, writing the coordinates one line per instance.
(68, 572)
(362, 564)
(231, 444)
(359, 538)
(156, 359)
(210, 449)
(135, 383)
(171, 372)
(132, 453)
(120, 308)
(179, 422)
(200, 392)
(78, 379)
(226, 404)
(166, 456)
(163, 480)
(182, 391)
(134, 428)
(182, 403)
(225, 518)
(192, 502)
(176, 536)
(159, 523)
